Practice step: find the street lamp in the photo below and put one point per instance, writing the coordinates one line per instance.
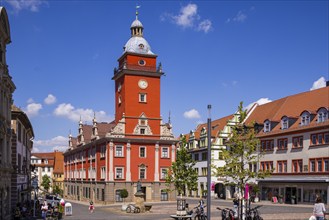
(209, 165)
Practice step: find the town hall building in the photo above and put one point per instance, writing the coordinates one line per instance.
(137, 147)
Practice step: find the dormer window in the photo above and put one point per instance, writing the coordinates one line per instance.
(305, 118)
(284, 123)
(267, 126)
(322, 115)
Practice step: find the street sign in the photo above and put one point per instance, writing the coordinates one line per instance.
(35, 183)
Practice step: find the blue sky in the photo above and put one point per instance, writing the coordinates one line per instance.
(63, 54)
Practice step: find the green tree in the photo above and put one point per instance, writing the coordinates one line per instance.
(182, 173)
(57, 190)
(124, 194)
(46, 182)
(242, 149)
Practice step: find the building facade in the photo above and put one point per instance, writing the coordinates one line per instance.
(294, 136)
(58, 172)
(7, 87)
(137, 147)
(22, 145)
(44, 165)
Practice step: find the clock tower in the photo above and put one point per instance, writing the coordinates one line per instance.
(137, 88)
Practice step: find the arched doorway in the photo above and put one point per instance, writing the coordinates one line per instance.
(220, 190)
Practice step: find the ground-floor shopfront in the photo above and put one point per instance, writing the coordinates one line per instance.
(289, 191)
(109, 192)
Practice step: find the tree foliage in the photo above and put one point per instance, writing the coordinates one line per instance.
(242, 150)
(124, 194)
(57, 190)
(182, 173)
(46, 182)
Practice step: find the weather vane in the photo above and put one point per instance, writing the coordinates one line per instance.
(137, 7)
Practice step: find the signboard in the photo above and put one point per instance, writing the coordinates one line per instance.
(35, 183)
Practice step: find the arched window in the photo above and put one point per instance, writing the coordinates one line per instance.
(164, 195)
(322, 115)
(118, 197)
(267, 126)
(305, 118)
(284, 122)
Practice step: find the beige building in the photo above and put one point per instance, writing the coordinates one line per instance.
(7, 87)
(294, 136)
(22, 144)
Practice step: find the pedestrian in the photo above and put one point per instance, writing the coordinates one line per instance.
(91, 207)
(319, 209)
(236, 204)
(44, 209)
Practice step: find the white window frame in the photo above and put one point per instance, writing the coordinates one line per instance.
(103, 172)
(267, 126)
(322, 115)
(117, 154)
(140, 150)
(305, 118)
(162, 152)
(142, 97)
(164, 173)
(119, 175)
(285, 123)
(140, 170)
(103, 150)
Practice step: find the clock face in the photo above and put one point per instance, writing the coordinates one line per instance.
(142, 84)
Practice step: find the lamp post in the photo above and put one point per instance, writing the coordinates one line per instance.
(209, 165)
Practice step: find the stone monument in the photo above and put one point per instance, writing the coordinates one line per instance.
(139, 197)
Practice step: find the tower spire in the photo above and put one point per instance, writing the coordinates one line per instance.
(137, 7)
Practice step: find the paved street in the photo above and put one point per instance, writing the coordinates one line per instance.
(163, 210)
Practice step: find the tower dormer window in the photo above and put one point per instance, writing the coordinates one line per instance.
(267, 126)
(322, 115)
(142, 97)
(305, 118)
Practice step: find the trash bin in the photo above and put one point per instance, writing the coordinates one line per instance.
(68, 209)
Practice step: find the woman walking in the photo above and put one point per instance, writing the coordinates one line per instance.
(319, 209)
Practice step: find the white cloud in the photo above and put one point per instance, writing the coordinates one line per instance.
(189, 18)
(66, 110)
(260, 101)
(192, 114)
(33, 109)
(187, 15)
(31, 5)
(319, 83)
(59, 143)
(50, 99)
(205, 26)
(240, 17)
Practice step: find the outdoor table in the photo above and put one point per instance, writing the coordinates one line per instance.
(181, 217)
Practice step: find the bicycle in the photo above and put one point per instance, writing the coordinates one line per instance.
(228, 214)
(199, 213)
(253, 214)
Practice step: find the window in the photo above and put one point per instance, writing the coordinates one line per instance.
(164, 173)
(119, 151)
(164, 195)
(196, 157)
(297, 142)
(267, 126)
(266, 165)
(326, 165)
(142, 152)
(142, 173)
(103, 149)
(142, 131)
(322, 115)
(312, 165)
(204, 171)
(164, 152)
(319, 165)
(119, 173)
(142, 97)
(297, 166)
(103, 173)
(267, 145)
(320, 139)
(204, 156)
(285, 123)
(282, 166)
(305, 118)
(282, 144)
(118, 196)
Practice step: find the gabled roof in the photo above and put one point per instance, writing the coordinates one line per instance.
(292, 107)
(59, 162)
